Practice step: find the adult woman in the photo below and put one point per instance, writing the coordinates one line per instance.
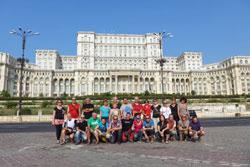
(183, 110)
(183, 126)
(58, 119)
(162, 129)
(104, 111)
(174, 110)
(137, 127)
(165, 109)
(146, 109)
(114, 111)
(156, 112)
(74, 109)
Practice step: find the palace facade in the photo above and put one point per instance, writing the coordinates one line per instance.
(122, 63)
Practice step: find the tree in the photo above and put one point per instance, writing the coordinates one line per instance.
(193, 92)
(5, 93)
(146, 93)
(41, 95)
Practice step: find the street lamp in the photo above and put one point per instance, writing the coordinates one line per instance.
(24, 35)
(161, 61)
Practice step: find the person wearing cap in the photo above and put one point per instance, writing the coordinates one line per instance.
(196, 131)
(102, 129)
(74, 109)
(183, 126)
(137, 107)
(115, 129)
(165, 109)
(148, 129)
(127, 133)
(137, 127)
(81, 130)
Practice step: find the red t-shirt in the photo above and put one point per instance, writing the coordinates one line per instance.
(137, 108)
(74, 112)
(147, 110)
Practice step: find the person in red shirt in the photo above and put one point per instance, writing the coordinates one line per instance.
(146, 109)
(137, 107)
(74, 109)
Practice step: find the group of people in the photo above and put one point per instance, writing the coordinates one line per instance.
(125, 122)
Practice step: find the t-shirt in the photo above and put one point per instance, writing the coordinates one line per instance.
(184, 126)
(138, 127)
(156, 111)
(171, 124)
(162, 126)
(126, 124)
(195, 126)
(126, 108)
(166, 111)
(74, 111)
(59, 113)
(147, 110)
(82, 125)
(102, 128)
(93, 122)
(69, 123)
(114, 112)
(117, 106)
(105, 111)
(174, 111)
(148, 124)
(87, 114)
(137, 108)
(115, 125)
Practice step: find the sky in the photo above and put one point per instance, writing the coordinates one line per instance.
(218, 28)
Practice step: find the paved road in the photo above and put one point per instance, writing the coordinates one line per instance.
(46, 127)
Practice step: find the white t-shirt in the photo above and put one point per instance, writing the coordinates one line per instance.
(69, 123)
(166, 111)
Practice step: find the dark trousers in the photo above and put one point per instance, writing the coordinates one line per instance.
(116, 136)
(58, 131)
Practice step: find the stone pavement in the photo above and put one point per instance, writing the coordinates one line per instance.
(224, 146)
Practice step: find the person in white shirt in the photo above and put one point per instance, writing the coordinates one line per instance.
(68, 128)
(165, 109)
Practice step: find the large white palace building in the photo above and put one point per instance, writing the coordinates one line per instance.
(122, 63)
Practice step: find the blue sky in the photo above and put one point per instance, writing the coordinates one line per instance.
(218, 28)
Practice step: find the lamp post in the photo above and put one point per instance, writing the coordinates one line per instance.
(24, 35)
(161, 61)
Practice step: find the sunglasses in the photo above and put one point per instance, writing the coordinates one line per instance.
(82, 117)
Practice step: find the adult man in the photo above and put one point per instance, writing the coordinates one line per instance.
(115, 101)
(115, 128)
(196, 131)
(92, 123)
(102, 129)
(127, 133)
(74, 109)
(81, 130)
(126, 108)
(171, 126)
(87, 109)
(137, 107)
(68, 128)
(148, 129)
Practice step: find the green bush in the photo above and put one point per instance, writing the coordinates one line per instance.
(26, 111)
(46, 103)
(5, 93)
(234, 100)
(29, 103)
(10, 104)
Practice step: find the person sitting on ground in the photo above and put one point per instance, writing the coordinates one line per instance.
(196, 131)
(105, 110)
(115, 129)
(74, 109)
(171, 127)
(126, 108)
(165, 109)
(68, 128)
(148, 129)
(183, 126)
(58, 119)
(162, 128)
(102, 129)
(114, 111)
(92, 123)
(146, 109)
(115, 101)
(137, 127)
(127, 133)
(137, 107)
(81, 130)
(87, 109)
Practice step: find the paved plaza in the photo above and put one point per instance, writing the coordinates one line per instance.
(222, 146)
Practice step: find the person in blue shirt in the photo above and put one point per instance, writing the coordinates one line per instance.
(148, 129)
(104, 110)
(102, 129)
